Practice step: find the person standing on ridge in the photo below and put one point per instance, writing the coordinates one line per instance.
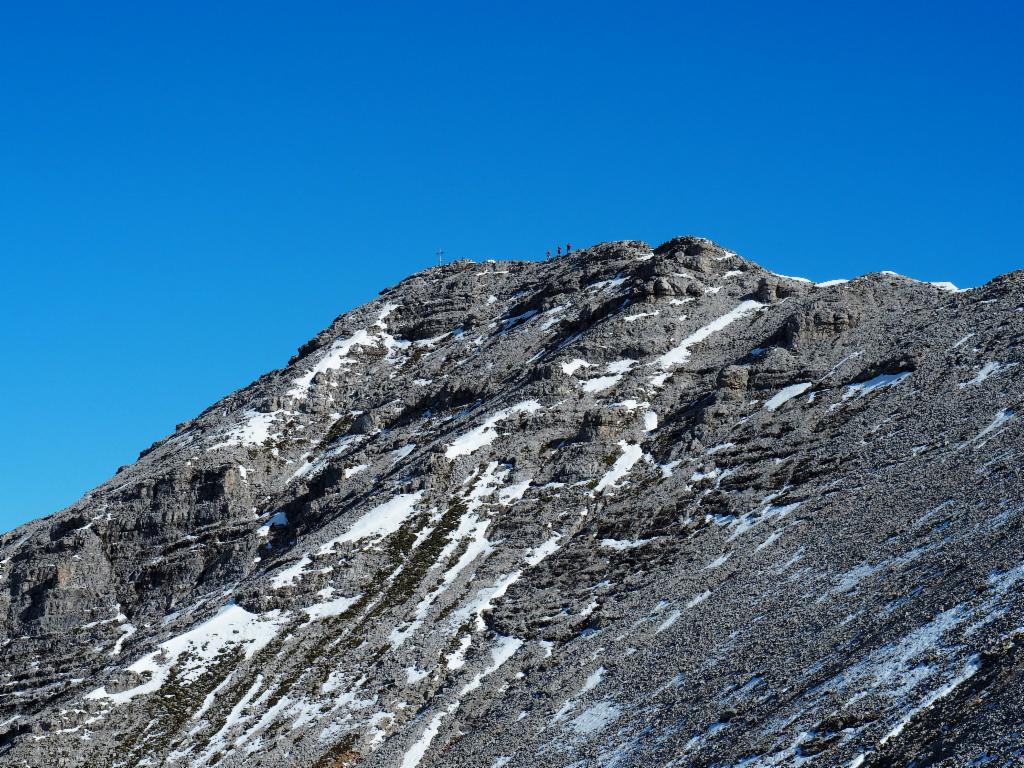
(548, 256)
(559, 250)
(568, 247)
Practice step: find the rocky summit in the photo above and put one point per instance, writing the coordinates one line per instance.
(630, 507)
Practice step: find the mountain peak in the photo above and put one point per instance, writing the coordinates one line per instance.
(626, 506)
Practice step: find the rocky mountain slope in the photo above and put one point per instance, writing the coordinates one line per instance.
(631, 507)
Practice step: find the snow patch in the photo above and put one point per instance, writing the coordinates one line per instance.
(401, 453)
(510, 494)
(623, 544)
(595, 718)
(486, 433)
(989, 369)
(650, 421)
(631, 454)
(574, 365)
(380, 521)
(786, 394)
(620, 366)
(276, 519)
(287, 576)
(640, 315)
(593, 679)
(601, 383)
(681, 353)
(336, 357)
(254, 432)
(232, 625)
(542, 551)
(878, 382)
(1001, 418)
(699, 599)
(328, 608)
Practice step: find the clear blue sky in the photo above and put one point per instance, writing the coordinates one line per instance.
(188, 191)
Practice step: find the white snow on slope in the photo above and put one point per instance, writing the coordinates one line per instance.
(620, 366)
(509, 322)
(501, 652)
(1001, 418)
(762, 514)
(276, 519)
(613, 375)
(336, 357)
(669, 468)
(231, 625)
(574, 365)
(942, 285)
(401, 453)
(623, 544)
(601, 383)
(681, 353)
(470, 537)
(510, 494)
(869, 386)
(650, 421)
(669, 621)
(695, 601)
(380, 521)
(989, 369)
(963, 341)
(287, 576)
(630, 455)
(553, 316)
(486, 433)
(594, 679)
(419, 747)
(536, 555)
(595, 718)
(902, 675)
(718, 562)
(471, 528)
(127, 630)
(640, 315)
(334, 607)
(602, 285)
(972, 666)
(255, 431)
(786, 394)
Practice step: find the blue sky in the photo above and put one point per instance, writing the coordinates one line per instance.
(189, 191)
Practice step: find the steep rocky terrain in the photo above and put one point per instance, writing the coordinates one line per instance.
(631, 507)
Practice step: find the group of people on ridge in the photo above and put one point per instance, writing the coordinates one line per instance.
(568, 249)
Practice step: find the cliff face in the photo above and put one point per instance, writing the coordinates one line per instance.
(630, 507)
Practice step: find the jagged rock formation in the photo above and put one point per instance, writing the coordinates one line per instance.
(631, 507)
